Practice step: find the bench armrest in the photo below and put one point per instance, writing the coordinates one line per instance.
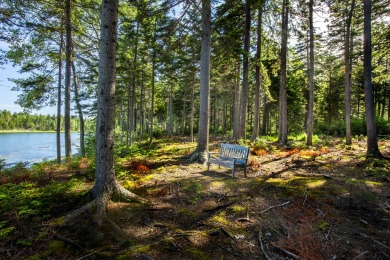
(210, 153)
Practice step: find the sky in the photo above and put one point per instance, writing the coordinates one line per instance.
(7, 96)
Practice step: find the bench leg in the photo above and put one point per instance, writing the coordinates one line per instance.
(233, 170)
(208, 166)
(245, 171)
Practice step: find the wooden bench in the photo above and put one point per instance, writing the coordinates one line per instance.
(230, 156)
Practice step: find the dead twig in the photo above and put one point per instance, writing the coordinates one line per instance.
(262, 248)
(86, 256)
(244, 220)
(304, 201)
(375, 241)
(365, 252)
(281, 205)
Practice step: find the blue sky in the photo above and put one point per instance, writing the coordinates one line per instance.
(7, 96)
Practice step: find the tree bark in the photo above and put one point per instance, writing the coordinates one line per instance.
(204, 106)
(68, 60)
(131, 95)
(192, 110)
(310, 114)
(184, 115)
(348, 76)
(245, 73)
(215, 124)
(79, 110)
(256, 123)
(152, 102)
(372, 140)
(59, 99)
(236, 102)
(282, 135)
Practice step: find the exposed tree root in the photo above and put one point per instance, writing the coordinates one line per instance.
(69, 241)
(75, 214)
(94, 215)
(122, 194)
(198, 156)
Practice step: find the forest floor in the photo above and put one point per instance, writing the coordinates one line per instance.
(322, 202)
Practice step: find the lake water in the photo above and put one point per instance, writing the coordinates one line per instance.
(33, 147)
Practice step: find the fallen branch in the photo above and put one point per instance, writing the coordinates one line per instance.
(281, 205)
(288, 253)
(220, 207)
(227, 233)
(244, 220)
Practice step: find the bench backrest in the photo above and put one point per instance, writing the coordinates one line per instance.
(234, 151)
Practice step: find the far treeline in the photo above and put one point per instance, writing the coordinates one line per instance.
(268, 68)
(24, 121)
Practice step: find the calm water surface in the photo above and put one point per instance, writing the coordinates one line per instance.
(33, 147)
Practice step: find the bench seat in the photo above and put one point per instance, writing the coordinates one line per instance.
(230, 156)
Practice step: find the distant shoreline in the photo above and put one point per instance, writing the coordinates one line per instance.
(30, 131)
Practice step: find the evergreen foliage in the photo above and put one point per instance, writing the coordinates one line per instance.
(24, 121)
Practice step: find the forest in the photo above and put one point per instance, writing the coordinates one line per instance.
(25, 121)
(303, 84)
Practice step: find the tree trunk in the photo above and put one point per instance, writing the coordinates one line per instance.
(152, 102)
(170, 112)
(236, 102)
(265, 114)
(141, 108)
(184, 115)
(68, 60)
(348, 76)
(192, 110)
(256, 123)
(372, 140)
(79, 110)
(310, 114)
(224, 113)
(215, 126)
(204, 120)
(131, 95)
(282, 135)
(59, 99)
(245, 73)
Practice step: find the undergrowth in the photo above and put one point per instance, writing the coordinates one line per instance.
(304, 200)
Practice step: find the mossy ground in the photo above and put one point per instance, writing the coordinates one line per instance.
(323, 202)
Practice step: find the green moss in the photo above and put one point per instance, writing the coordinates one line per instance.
(322, 225)
(196, 254)
(56, 247)
(372, 183)
(221, 218)
(238, 209)
(194, 190)
(186, 212)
